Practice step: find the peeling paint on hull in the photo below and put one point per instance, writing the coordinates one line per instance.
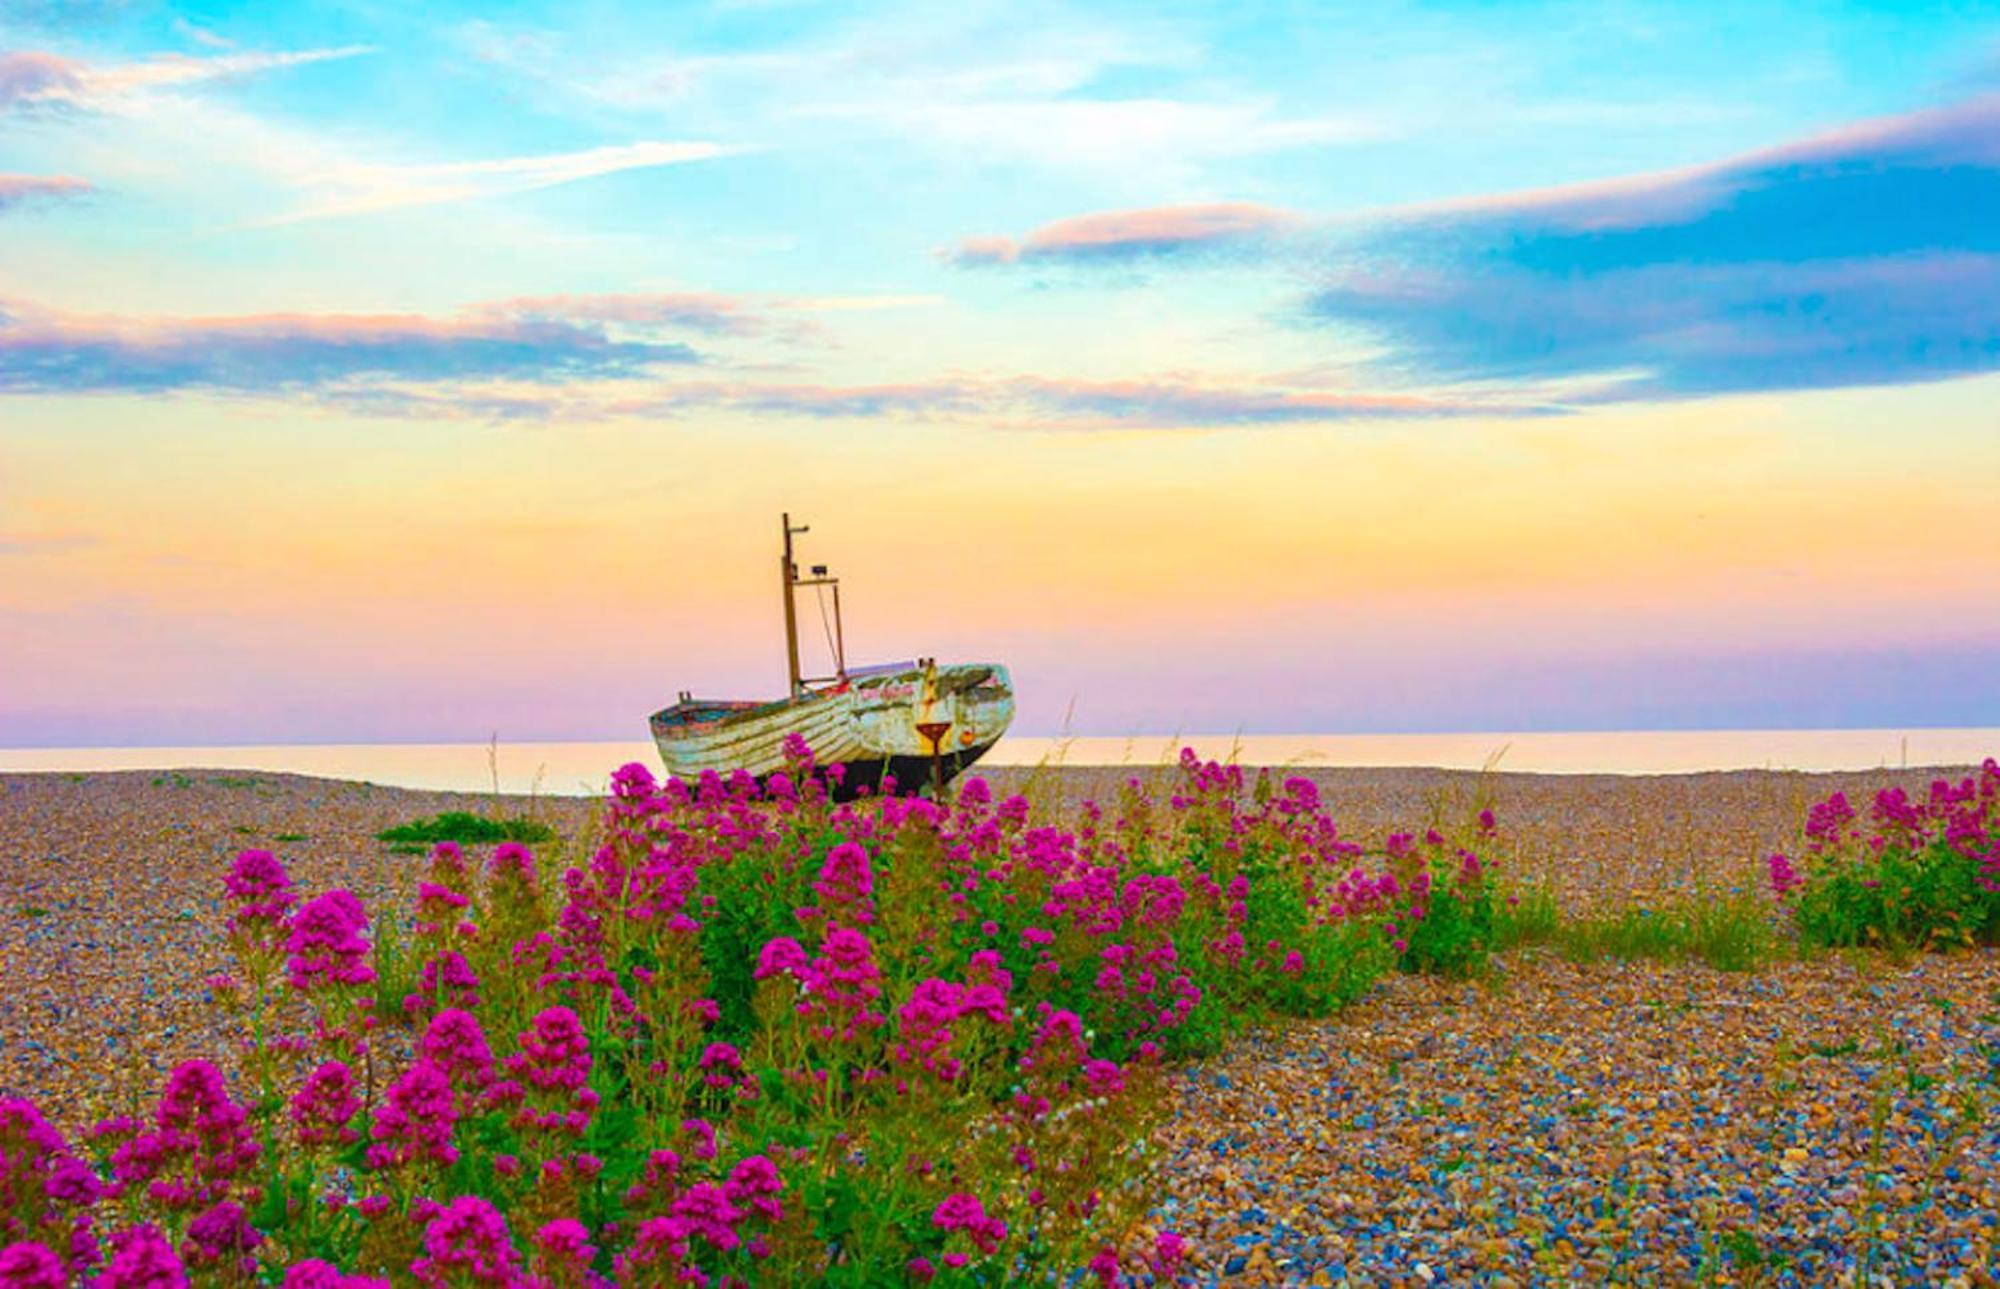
(869, 724)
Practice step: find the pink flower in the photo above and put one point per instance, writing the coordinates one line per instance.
(31, 1266)
(263, 894)
(315, 1274)
(705, 1210)
(754, 1184)
(468, 1244)
(962, 1212)
(455, 1044)
(326, 944)
(416, 1124)
(563, 1251)
(512, 862)
(704, 1137)
(1104, 1265)
(202, 1141)
(1169, 1251)
(721, 1065)
(222, 1238)
(782, 956)
(141, 1258)
(325, 1105)
(1784, 878)
(846, 883)
(555, 1053)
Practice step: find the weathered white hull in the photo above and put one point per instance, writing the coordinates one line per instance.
(872, 720)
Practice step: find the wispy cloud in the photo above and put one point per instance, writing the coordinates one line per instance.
(32, 79)
(44, 352)
(364, 188)
(969, 83)
(1002, 403)
(584, 358)
(18, 189)
(1133, 234)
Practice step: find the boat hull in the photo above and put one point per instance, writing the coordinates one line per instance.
(920, 723)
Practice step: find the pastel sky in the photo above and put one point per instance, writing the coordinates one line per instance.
(374, 371)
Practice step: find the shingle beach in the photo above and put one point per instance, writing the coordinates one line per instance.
(1599, 1122)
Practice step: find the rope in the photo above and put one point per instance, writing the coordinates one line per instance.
(826, 627)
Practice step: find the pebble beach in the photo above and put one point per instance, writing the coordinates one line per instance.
(1814, 1121)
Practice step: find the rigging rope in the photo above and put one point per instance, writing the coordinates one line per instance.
(826, 628)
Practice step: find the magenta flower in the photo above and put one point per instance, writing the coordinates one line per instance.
(555, 1053)
(962, 1212)
(512, 862)
(704, 1210)
(754, 1184)
(315, 1274)
(262, 890)
(782, 956)
(1169, 1251)
(31, 1266)
(141, 1258)
(325, 1106)
(563, 1251)
(416, 1124)
(455, 1043)
(201, 1144)
(222, 1238)
(1784, 877)
(468, 1244)
(846, 884)
(327, 946)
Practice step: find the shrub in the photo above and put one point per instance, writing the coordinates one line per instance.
(466, 829)
(755, 1037)
(1919, 875)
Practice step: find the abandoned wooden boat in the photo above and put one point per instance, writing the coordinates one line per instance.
(921, 722)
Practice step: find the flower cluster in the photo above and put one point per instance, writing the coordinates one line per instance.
(748, 1035)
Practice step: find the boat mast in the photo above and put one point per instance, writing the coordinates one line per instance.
(790, 574)
(838, 638)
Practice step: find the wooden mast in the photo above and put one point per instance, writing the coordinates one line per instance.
(790, 573)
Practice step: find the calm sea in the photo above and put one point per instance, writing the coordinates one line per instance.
(581, 768)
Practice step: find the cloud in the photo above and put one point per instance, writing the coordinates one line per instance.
(44, 353)
(1009, 403)
(1133, 234)
(1868, 254)
(709, 312)
(572, 358)
(18, 189)
(967, 84)
(31, 79)
(366, 188)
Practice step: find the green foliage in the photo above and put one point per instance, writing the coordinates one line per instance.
(1730, 931)
(1898, 898)
(1456, 933)
(467, 829)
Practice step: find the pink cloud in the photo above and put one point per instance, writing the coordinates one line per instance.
(1025, 402)
(1126, 234)
(35, 78)
(15, 189)
(706, 311)
(28, 76)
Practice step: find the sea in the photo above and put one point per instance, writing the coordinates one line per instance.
(581, 769)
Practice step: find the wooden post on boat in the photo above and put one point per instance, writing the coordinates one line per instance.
(791, 575)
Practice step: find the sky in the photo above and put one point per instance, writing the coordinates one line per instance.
(386, 372)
